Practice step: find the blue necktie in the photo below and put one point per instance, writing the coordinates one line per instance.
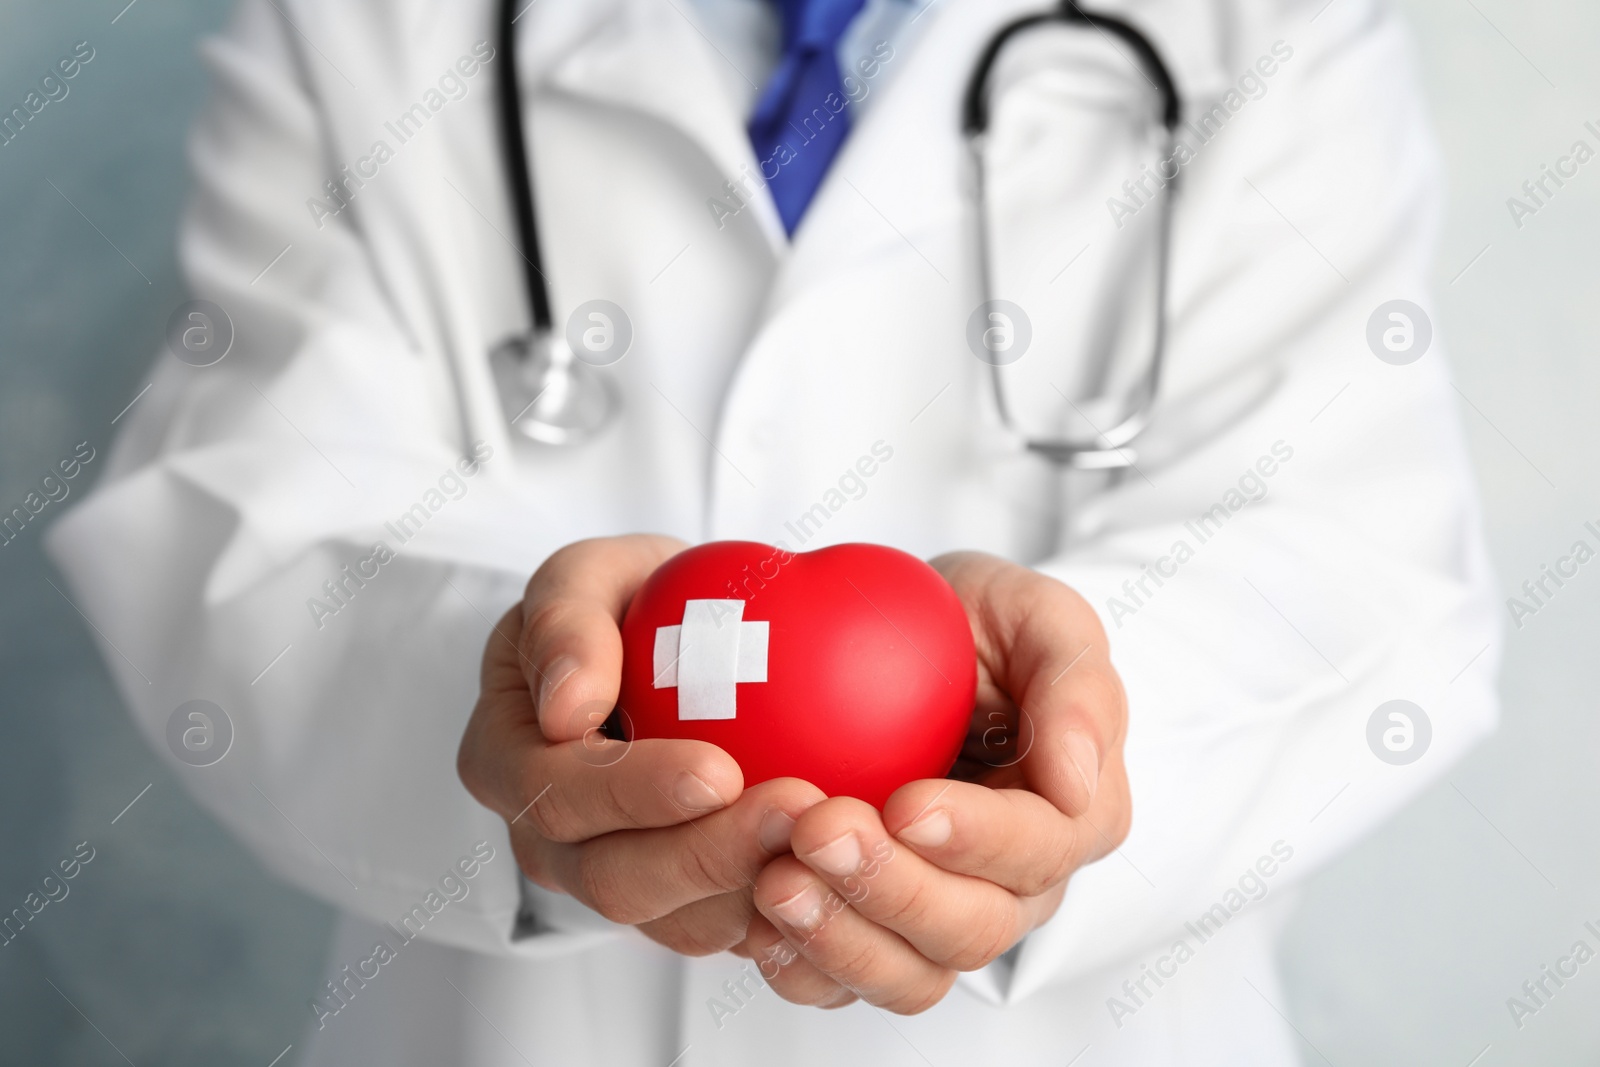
(795, 129)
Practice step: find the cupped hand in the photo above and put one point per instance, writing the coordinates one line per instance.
(956, 871)
(660, 834)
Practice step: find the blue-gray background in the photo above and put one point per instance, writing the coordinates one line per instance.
(181, 951)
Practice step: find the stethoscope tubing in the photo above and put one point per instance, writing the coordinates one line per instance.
(519, 170)
(1110, 451)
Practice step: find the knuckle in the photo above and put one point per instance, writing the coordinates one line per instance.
(992, 938)
(698, 948)
(1073, 850)
(858, 960)
(1068, 604)
(614, 800)
(1098, 695)
(1053, 868)
(779, 880)
(707, 872)
(1121, 826)
(489, 771)
(525, 797)
(605, 889)
(1059, 871)
(925, 996)
(545, 618)
(562, 559)
(987, 856)
(906, 909)
(554, 819)
(532, 861)
(811, 994)
(469, 768)
(801, 983)
(680, 936)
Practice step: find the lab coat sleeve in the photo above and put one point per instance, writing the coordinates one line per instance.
(297, 535)
(1301, 542)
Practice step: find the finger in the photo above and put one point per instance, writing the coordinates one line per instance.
(581, 789)
(791, 975)
(502, 723)
(875, 963)
(637, 876)
(1042, 643)
(1110, 817)
(571, 645)
(715, 924)
(1012, 837)
(955, 920)
(1059, 670)
(1078, 719)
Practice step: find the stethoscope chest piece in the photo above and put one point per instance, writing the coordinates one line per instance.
(548, 394)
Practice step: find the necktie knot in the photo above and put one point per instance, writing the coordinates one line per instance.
(816, 25)
(801, 120)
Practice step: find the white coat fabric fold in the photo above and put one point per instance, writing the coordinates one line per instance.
(1332, 558)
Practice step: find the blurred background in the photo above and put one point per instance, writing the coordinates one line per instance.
(175, 948)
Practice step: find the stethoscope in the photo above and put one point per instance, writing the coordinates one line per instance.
(553, 392)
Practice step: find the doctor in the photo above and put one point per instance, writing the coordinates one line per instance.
(318, 532)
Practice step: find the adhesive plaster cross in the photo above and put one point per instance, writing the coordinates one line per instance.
(707, 655)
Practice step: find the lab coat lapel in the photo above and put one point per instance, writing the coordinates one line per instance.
(891, 180)
(864, 315)
(899, 180)
(648, 56)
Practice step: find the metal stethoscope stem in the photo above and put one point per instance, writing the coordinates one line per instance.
(1108, 449)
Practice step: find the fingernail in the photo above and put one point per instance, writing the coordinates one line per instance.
(838, 857)
(773, 833)
(1085, 757)
(552, 677)
(802, 909)
(930, 831)
(690, 791)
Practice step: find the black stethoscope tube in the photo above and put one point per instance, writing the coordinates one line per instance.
(518, 174)
(975, 104)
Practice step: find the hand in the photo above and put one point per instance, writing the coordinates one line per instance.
(660, 834)
(956, 871)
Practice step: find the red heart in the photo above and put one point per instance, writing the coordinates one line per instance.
(869, 663)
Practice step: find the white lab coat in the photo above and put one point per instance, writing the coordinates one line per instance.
(758, 374)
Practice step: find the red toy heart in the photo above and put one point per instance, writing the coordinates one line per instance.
(851, 667)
